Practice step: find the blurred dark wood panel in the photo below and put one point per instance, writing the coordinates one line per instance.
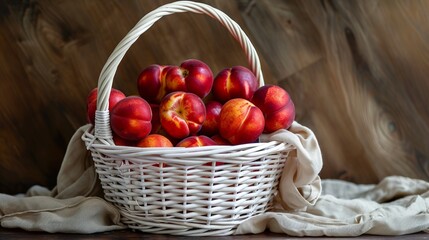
(51, 55)
(357, 71)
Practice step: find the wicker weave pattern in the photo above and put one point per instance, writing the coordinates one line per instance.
(202, 191)
(182, 191)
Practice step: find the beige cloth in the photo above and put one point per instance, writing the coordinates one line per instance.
(73, 206)
(396, 206)
(300, 184)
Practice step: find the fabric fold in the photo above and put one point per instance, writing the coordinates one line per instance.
(73, 215)
(73, 206)
(396, 206)
(300, 184)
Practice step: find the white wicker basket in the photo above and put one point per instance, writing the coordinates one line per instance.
(185, 195)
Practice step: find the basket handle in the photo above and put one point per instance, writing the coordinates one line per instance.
(105, 80)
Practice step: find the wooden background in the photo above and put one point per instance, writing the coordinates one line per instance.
(356, 70)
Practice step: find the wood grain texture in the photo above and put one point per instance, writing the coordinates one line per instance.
(51, 55)
(357, 71)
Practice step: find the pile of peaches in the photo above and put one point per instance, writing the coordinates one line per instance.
(187, 106)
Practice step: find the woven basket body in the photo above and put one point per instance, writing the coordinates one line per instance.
(203, 191)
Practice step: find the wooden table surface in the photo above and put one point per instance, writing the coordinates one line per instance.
(6, 234)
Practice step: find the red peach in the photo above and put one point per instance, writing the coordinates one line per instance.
(156, 120)
(154, 140)
(182, 114)
(156, 124)
(211, 124)
(151, 83)
(131, 118)
(91, 102)
(241, 121)
(192, 76)
(199, 141)
(277, 106)
(122, 142)
(220, 140)
(196, 141)
(281, 119)
(164, 133)
(235, 82)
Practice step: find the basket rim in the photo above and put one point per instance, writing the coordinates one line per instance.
(241, 152)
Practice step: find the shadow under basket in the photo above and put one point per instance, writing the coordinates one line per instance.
(200, 191)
